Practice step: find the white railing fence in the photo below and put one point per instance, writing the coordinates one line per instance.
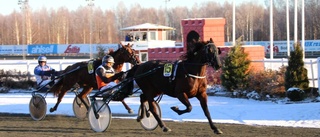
(312, 65)
(29, 65)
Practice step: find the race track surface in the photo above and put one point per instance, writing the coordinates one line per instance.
(22, 125)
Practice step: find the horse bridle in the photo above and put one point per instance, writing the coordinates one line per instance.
(209, 59)
(208, 62)
(131, 56)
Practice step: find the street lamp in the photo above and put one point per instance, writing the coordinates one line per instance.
(90, 4)
(23, 6)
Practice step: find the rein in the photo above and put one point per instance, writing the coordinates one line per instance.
(191, 75)
(206, 49)
(195, 76)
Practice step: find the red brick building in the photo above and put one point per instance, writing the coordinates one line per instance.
(203, 29)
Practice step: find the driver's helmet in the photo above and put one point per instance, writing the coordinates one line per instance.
(107, 59)
(42, 58)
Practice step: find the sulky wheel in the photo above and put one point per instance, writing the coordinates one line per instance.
(79, 108)
(148, 122)
(38, 107)
(101, 121)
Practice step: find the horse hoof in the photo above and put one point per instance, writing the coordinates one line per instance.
(175, 108)
(166, 129)
(218, 131)
(52, 110)
(138, 119)
(130, 111)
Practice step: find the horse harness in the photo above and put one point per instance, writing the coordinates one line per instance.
(174, 73)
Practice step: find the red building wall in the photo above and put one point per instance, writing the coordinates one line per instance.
(204, 29)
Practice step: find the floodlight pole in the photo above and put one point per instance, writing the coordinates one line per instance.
(233, 23)
(271, 30)
(295, 22)
(23, 6)
(303, 30)
(288, 30)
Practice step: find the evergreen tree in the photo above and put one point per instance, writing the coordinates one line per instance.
(101, 52)
(235, 69)
(296, 75)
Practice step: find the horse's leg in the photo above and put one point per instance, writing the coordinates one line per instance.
(152, 107)
(184, 100)
(141, 115)
(203, 101)
(85, 91)
(130, 111)
(60, 96)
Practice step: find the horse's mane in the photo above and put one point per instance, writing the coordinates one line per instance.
(112, 52)
(191, 53)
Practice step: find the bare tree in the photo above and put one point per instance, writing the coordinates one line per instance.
(177, 14)
(312, 30)
(227, 14)
(133, 15)
(111, 28)
(15, 29)
(62, 26)
(121, 15)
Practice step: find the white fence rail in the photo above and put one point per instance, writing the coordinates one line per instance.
(29, 65)
(311, 65)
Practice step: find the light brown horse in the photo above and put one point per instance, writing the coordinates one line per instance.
(87, 81)
(187, 80)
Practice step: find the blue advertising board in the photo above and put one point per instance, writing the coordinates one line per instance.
(281, 46)
(43, 49)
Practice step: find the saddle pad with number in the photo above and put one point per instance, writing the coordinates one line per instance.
(167, 70)
(90, 67)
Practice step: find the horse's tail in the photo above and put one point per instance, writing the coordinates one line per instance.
(56, 88)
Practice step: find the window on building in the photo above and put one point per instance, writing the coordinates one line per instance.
(164, 35)
(143, 56)
(153, 36)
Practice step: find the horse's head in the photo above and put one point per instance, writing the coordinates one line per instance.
(204, 52)
(128, 54)
(212, 53)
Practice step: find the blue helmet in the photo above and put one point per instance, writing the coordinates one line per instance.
(42, 59)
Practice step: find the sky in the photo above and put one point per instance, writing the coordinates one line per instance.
(8, 6)
(222, 110)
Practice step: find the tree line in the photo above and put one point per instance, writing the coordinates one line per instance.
(62, 26)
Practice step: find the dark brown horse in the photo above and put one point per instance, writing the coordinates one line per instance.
(187, 80)
(87, 81)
